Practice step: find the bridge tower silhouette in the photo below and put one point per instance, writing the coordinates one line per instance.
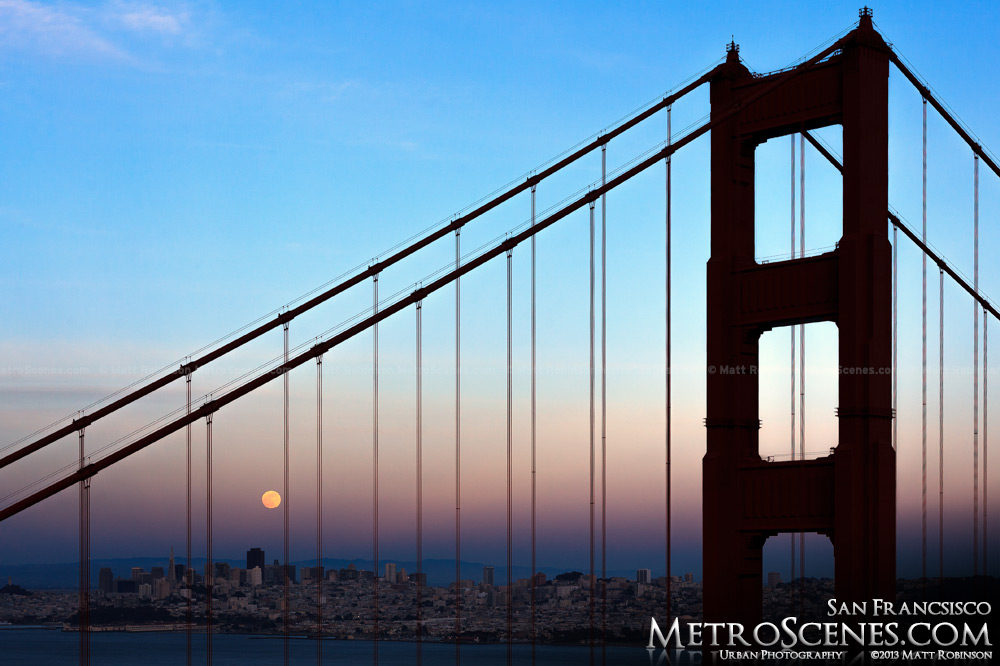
(850, 494)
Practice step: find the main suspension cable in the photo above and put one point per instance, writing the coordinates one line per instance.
(236, 392)
(341, 283)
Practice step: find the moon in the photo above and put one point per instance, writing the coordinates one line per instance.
(271, 499)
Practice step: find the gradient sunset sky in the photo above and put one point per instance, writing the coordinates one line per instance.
(171, 171)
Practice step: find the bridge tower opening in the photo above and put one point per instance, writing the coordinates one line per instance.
(850, 494)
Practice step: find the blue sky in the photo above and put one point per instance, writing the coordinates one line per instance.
(172, 171)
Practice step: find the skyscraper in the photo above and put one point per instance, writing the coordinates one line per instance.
(106, 580)
(255, 558)
(390, 572)
(643, 576)
(487, 575)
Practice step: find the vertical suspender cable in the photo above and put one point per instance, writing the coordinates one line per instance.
(975, 372)
(604, 407)
(319, 509)
(895, 347)
(592, 436)
(209, 565)
(941, 431)
(458, 450)
(668, 371)
(802, 350)
(510, 468)
(895, 351)
(375, 472)
(84, 594)
(286, 590)
(533, 423)
(189, 616)
(420, 482)
(923, 417)
(986, 565)
(792, 535)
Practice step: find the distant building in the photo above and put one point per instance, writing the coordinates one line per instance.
(312, 573)
(419, 578)
(390, 572)
(161, 588)
(171, 571)
(156, 572)
(106, 581)
(689, 578)
(488, 575)
(255, 576)
(126, 586)
(643, 576)
(273, 574)
(773, 578)
(255, 558)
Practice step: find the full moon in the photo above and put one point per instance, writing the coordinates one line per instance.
(271, 499)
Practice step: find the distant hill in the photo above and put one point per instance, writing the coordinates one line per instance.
(439, 572)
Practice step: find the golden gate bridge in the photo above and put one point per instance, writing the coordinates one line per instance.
(849, 495)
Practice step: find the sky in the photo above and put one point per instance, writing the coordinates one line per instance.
(172, 171)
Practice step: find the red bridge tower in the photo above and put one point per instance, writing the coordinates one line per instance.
(849, 495)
